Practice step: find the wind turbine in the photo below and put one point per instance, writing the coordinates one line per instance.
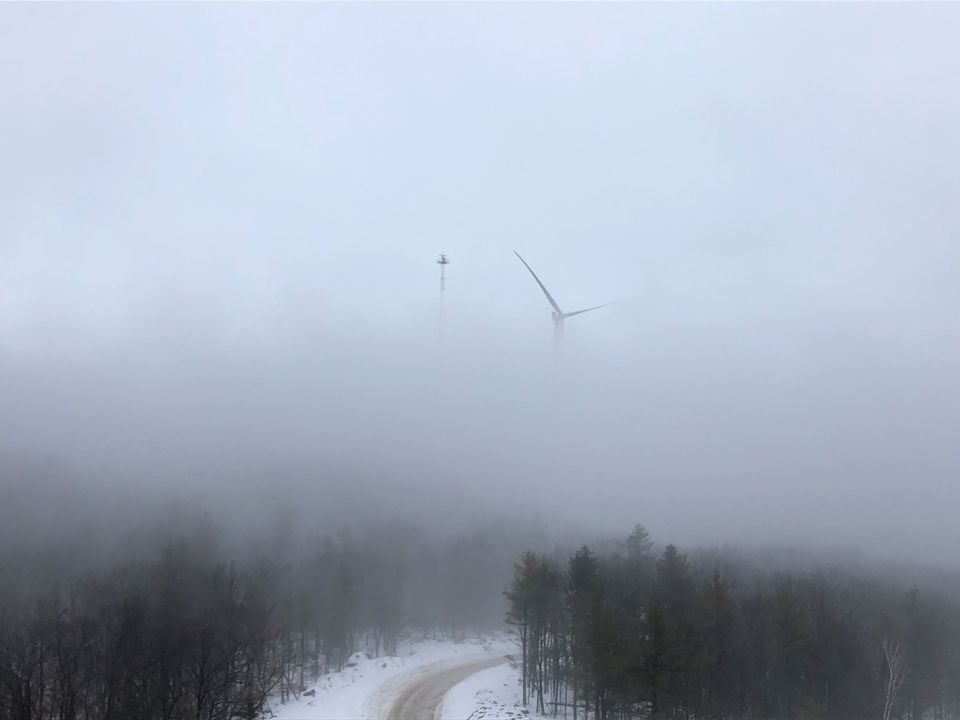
(558, 315)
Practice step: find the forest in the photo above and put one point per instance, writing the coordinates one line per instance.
(629, 632)
(191, 626)
(187, 613)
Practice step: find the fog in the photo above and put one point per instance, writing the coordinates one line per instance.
(218, 227)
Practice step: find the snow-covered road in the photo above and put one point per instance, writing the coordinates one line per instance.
(370, 688)
(423, 698)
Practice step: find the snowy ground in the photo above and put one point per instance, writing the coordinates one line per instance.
(366, 690)
(492, 694)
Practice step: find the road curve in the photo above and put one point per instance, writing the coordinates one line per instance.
(422, 699)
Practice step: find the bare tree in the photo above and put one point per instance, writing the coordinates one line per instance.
(897, 672)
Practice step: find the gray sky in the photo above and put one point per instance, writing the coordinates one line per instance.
(218, 222)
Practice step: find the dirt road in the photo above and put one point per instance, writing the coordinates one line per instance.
(421, 700)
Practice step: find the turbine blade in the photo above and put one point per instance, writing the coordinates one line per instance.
(580, 312)
(542, 287)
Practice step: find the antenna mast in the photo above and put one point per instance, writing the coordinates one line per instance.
(442, 325)
(443, 262)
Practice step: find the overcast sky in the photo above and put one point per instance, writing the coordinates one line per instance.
(218, 226)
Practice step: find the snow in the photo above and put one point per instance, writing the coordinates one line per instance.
(492, 694)
(367, 689)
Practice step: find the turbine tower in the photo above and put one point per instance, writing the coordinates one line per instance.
(558, 315)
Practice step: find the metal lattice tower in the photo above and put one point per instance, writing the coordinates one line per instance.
(443, 262)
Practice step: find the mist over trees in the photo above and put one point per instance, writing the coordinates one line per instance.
(189, 619)
(175, 610)
(636, 633)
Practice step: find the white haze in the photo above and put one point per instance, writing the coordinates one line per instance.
(218, 226)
